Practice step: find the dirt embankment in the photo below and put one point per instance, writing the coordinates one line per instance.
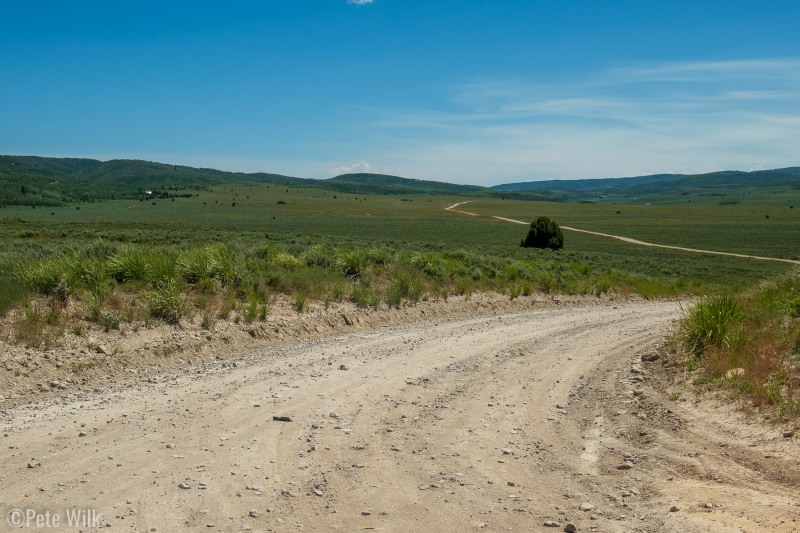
(82, 360)
(502, 421)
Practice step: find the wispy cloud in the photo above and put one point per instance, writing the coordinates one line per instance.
(663, 117)
(621, 121)
(360, 2)
(361, 166)
(785, 68)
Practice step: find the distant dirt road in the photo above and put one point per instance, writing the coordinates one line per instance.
(633, 241)
(498, 422)
(453, 209)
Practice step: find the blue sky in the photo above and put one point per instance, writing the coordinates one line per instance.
(470, 91)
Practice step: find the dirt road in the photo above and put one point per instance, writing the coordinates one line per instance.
(628, 239)
(653, 245)
(500, 423)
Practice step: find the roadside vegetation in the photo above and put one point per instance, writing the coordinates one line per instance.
(748, 345)
(111, 284)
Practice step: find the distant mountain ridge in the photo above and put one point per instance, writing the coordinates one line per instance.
(656, 183)
(383, 183)
(584, 184)
(49, 181)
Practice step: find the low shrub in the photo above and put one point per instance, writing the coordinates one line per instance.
(108, 320)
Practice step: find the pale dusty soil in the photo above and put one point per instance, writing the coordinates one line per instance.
(496, 420)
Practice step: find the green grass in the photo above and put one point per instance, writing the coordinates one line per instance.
(707, 323)
(739, 228)
(404, 285)
(199, 256)
(13, 292)
(313, 218)
(167, 302)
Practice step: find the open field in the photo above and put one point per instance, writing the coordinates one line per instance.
(224, 252)
(766, 225)
(306, 216)
(762, 227)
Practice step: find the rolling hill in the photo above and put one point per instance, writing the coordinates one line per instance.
(663, 184)
(45, 181)
(48, 181)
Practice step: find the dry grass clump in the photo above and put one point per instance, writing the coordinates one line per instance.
(748, 345)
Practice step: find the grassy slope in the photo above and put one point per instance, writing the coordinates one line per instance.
(59, 181)
(384, 184)
(28, 180)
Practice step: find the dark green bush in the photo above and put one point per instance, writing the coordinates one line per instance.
(544, 233)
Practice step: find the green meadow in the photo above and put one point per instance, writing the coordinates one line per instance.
(767, 226)
(255, 213)
(245, 215)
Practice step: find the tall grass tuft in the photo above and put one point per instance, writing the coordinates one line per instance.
(353, 263)
(12, 293)
(141, 265)
(42, 276)
(216, 261)
(404, 286)
(256, 306)
(363, 295)
(707, 323)
(300, 302)
(287, 261)
(167, 303)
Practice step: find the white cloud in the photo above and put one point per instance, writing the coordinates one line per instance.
(361, 166)
(663, 117)
(360, 2)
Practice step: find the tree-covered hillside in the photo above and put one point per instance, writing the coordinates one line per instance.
(47, 181)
